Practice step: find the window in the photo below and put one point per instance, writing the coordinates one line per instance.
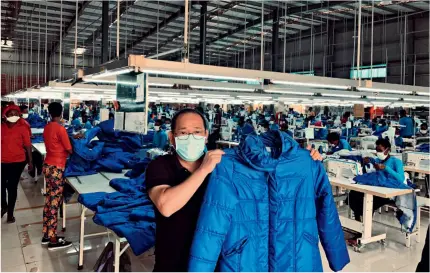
(378, 71)
(306, 73)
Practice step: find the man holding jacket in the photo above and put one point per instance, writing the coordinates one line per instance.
(176, 184)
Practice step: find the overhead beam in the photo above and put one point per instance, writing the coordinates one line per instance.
(275, 39)
(10, 18)
(71, 24)
(105, 32)
(154, 30)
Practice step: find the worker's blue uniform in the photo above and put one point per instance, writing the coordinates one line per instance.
(407, 131)
(393, 166)
(160, 139)
(76, 123)
(88, 125)
(343, 145)
(245, 130)
(380, 130)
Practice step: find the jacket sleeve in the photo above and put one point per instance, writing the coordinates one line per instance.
(396, 170)
(329, 227)
(213, 225)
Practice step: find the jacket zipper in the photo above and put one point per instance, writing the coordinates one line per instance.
(294, 230)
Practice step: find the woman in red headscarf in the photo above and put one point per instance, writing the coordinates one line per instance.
(15, 154)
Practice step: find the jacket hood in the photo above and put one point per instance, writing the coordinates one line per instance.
(264, 152)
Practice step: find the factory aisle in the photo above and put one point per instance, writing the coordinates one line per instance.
(22, 251)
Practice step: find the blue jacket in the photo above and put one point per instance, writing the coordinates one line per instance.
(160, 139)
(267, 206)
(394, 167)
(343, 145)
(407, 131)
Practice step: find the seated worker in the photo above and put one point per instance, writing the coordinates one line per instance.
(168, 124)
(380, 128)
(263, 126)
(160, 136)
(86, 123)
(423, 132)
(408, 125)
(384, 163)
(243, 128)
(336, 144)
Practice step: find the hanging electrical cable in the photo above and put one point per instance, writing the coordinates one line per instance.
(359, 43)
(371, 41)
(262, 38)
(61, 40)
(31, 50)
(118, 15)
(186, 50)
(46, 39)
(76, 36)
(38, 47)
(285, 35)
(158, 25)
(245, 38)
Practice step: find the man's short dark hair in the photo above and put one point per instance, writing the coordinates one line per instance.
(158, 121)
(23, 107)
(384, 142)
(333, 136)
(55, 109)
(403, 112)
(188, 111)
(424, 126)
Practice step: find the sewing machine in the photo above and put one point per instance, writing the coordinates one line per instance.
(342, 168)
(390, 133)
(417, 160)
(366, 131)
(226, 132)
(368, 143)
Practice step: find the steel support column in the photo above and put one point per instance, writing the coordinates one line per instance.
(105, 32)
(410, 51)
(203, 18)
(275, 40)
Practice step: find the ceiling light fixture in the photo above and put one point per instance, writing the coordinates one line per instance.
(381, 98)
(108, 73)
(79, 50)
(312, 84)
(376, 90)
(193, 75)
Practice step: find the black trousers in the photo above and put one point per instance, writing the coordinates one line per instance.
(355, 202)
(37, 163)
(10, 175)
(423, 265)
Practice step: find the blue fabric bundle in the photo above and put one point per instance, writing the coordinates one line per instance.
(138, 168)
(37, 139)
(321, 133)
(407, 203)
(113, 152)
(128, 212)
(425, 148)
(36, 121)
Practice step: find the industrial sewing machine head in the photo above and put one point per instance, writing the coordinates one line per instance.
(368, 143)
(317, 144)
(342, 168)
(417, 159)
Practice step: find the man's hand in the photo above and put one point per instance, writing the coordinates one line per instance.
(211, 159)
(366, 160)
(30, 166)
(380, 167)
(314, 153)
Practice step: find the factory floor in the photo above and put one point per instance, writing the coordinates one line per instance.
(22, 251)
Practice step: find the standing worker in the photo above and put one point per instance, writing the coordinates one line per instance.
(407, 128)
(160, 140)
(58, 148)
(15, 154)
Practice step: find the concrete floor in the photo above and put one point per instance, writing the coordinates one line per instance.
(22, 251)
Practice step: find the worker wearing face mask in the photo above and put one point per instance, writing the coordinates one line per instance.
(176, 184)
(423, 132)
(383, 163)
(244, 128)
(407, 130)
(24, 116)
(168, 124)
(336, 144)
(160, 136)
(15, 154)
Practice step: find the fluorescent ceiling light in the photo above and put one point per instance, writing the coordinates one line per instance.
(418, 99)
(254, 97)
(166, 93)
(311, 84)
(193, 75)
(423, 93)
(6, 43)
(111, 73)
(211, 95)
(376, 90)
(224, 88)
(79, 50)
(160, 84)
(382, 98)
(289, 92)
(340, 95)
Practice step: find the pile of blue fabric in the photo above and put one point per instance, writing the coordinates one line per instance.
(406, 204)
(321, 133)
(113, 152)
(425, 148)
(37, 139)
(36, 121)
(128, 212)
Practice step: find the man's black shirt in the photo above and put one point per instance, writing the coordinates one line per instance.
(174, 234)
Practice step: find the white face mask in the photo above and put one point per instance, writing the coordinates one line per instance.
(190, 149)
(157, 128)
(168, 126)
(271, 122)
(423, 132)
(24, 115)
(13, 119)
(381, 155)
